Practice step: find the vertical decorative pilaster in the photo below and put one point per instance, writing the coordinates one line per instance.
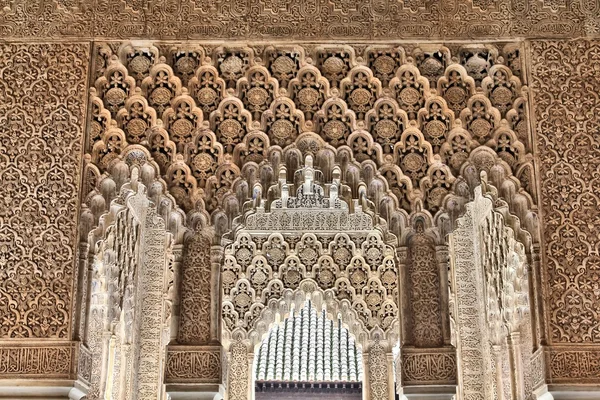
(441, 253)
(469, 309)
(83, 276)
(238, 376)
(173, 294)
(516, 368)
(403, 305)
(150, 361)
(216, 259)
(379, 385)
(197, 305)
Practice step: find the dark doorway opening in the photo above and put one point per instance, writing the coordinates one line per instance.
(274, 390)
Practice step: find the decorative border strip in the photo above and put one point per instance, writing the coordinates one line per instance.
(194, 364)
(428, 366)
(38, 361)
(568, 365)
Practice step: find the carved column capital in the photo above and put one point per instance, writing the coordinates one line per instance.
(402, 254)
(216, 254)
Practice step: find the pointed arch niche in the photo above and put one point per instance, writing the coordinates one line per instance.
(309, 245)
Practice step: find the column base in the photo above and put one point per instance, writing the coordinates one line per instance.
(568, 392)
(21, 389)
(195, 391)
(434, 392)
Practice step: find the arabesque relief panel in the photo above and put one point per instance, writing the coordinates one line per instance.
(42, 115)
(566, 87)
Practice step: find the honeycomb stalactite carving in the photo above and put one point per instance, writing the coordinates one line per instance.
(235, 117)
(270, 142)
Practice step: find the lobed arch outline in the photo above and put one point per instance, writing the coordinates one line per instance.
(278, 309)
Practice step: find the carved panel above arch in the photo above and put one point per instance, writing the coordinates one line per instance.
(312, 240)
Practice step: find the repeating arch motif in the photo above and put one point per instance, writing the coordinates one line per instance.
(241, 106)
(388, 147)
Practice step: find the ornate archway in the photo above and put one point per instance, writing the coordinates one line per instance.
(396, 157)
(309, 243)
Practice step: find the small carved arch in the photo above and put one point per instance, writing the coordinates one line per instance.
(435, 120)
(161, 86)
(362, 146)
(100, 120)
(283, 122)
(163, 150)
(138, 60)
(231, 121)
(115, 85)
(456, 87)
(136, 117)
(182, 119)
(413, 154)
(309, 90)
(334, 122)
(384, 61)
(112, 143)
(257, 90)
(410, 89)
(203, 154)
(455, 151)
(501, 87)
(334, 62)
(283, 62)
(185, 61)
(386, 121)
(207, 88)
(480, 118)
(253, 148)
(182, 184)
(360, 89)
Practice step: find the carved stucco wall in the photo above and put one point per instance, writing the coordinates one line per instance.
(42, 115)
(566, 87)
(41, 135)
(322, 19)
